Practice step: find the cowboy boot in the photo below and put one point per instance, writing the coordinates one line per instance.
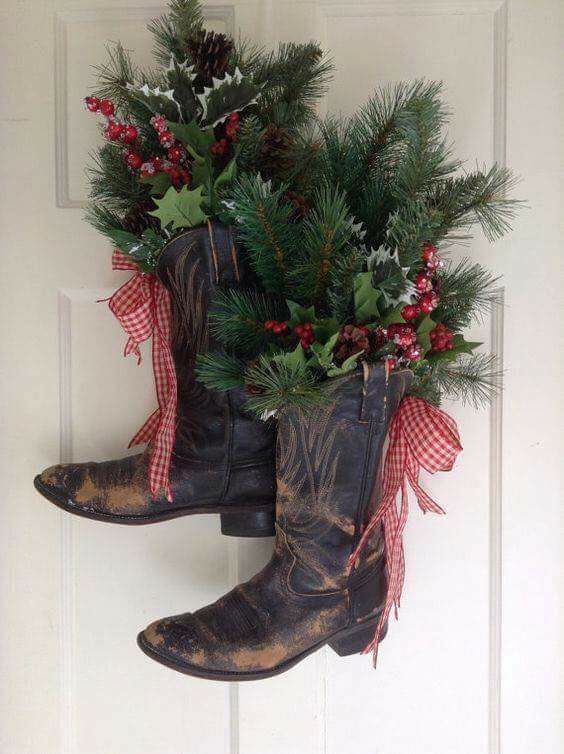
(222, 458)
(308, 595)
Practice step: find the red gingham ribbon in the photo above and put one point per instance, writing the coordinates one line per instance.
(419, 435)
(142, 306)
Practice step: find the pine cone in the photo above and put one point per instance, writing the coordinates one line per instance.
(352, 339)
(137, 220)
(274, 151)
(210, 54)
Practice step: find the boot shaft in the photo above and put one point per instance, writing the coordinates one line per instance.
(328, 477)
(209, 423)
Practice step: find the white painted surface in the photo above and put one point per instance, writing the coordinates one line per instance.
(473, 666)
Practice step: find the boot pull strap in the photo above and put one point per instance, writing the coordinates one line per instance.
(378, 402)
(223, 254)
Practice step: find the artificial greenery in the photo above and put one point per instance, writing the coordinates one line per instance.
(385, 201)
(345, 223)
(220, 101)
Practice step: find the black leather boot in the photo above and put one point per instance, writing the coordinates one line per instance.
(307, 595)
(223, 458)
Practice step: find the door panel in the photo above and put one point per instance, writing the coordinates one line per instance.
(472, 664)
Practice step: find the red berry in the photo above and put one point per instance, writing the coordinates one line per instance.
(269, 324)
(429, 251)
(166, 138)
(429, 302)
(433, 264)
(414, 352)
(423, 282)
(278, 328)
(411, 311)
(305, 344)
(133, 160)
(176, 153)
(159, 123)
(391, 362)
(129, 134)
(114, 130)
(234, 117)
(107, 107)
(308, 327)
(92, 104)
(299, 330)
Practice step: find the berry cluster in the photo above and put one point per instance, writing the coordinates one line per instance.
(222, 145)
(277, 328)
(304, 331)
(442, 339)
(405, 337)
(115, 130)
(426, 284)
(305, 334)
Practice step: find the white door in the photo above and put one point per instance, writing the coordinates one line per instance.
(472, 666)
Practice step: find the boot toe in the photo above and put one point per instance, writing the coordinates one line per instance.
(53, 483)
(176, 642)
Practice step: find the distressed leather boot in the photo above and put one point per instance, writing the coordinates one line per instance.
(223, 459)
(328, 486)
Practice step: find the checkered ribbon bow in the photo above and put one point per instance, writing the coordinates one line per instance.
(419, 435)
(142, 306)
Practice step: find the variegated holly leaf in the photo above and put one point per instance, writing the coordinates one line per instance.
(390, 277)
(144, 250)
(157, 100)
(228, 95)
(180, 77)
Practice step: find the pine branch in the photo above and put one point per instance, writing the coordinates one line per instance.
(474, 379)
(293, 78)
(281, 385)
(220, 371)
(426, 158)
(467, 293)
(111, 182)
(480, 198)
(237, 319)
(411, 226)
(104, 220)
(340, 295)
(173, 30)
(326, 234)
(265, 229)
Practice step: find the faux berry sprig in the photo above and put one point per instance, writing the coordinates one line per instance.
(303, 331)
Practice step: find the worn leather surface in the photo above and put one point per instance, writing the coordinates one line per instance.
(222, 456)
(327, 483)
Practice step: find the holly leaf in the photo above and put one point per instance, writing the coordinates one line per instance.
(293, 358)
(347, 366)
(180, 209)
(326, 328)
(365, 297)
(393, 316)
(227, 175)
(323, 352)
(227, 95)
(157, 100)
(423, 337)
(299, 315)
(198, 141)
(160, 183)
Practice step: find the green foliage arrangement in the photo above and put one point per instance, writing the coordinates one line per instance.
(345, 223)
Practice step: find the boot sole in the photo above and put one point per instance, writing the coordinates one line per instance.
(346, 642)
(236, 520)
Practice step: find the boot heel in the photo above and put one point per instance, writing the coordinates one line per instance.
(248, 524)
(354, 640)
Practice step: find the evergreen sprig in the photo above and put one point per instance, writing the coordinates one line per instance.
(281, 385)
(220, 371)
(264, 226)
(467, 293)
(238, 316)
(173, 30)
(474, 379)
(112, 184)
